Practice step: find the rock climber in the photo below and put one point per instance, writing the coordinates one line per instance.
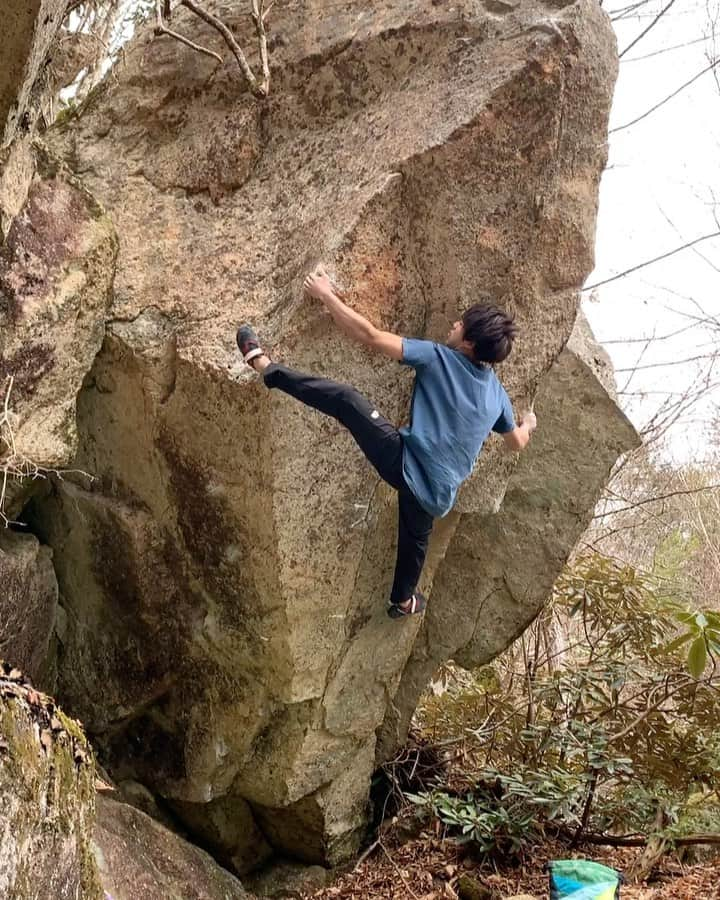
(457, 401)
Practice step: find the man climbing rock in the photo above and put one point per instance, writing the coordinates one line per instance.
(457, 401)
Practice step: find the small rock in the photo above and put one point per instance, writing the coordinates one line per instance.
(288, 880)
(470, 888)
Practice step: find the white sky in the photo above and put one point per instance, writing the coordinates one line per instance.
(656, 195)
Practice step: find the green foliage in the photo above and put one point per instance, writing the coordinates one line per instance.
(583, 723)
(701, 631)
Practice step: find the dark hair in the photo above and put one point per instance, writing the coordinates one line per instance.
(491, 332)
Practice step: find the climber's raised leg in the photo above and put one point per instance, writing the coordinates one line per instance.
(381, 443)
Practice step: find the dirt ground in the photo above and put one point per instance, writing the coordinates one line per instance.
(432, 868)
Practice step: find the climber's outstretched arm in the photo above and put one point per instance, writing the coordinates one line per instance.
(352, 324)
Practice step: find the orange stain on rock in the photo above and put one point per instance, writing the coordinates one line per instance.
(374, 285)
(490, 237)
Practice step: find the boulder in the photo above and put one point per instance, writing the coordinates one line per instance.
(224, 575)
(47, 798)
(138, 858)
(57, 253)
(289, 881)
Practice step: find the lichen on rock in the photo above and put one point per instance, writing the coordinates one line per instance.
(47, 798)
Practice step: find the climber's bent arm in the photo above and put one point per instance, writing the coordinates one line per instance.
(518, 438)
(359, 328)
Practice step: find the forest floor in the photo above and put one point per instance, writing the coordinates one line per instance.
(431, 868)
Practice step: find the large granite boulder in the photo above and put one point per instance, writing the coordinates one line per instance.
(223, 578)
(47, 798)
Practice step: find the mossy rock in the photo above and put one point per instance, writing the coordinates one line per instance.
(47, 798)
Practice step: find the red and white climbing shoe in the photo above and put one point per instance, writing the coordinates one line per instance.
(248, 343)
(417, 606)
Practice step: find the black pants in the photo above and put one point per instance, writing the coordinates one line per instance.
(381, 443)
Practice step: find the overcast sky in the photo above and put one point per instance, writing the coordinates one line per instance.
(657, 194)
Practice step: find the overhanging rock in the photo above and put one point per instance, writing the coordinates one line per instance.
(224, 577)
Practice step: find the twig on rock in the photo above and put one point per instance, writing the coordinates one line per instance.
(258, 12)
(162, 10)
(13, 465)
(259, 90)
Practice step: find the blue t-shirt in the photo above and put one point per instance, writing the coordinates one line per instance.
(455, 406)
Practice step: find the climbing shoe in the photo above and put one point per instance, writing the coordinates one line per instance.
(417, 605)
(248, 343)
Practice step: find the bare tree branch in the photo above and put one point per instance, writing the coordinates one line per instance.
(659, 337)
(669, 97)
(645, 31)
(625, 11)
(662, 365)
(162, 10)
(632, 506)
(258, 90)
(699, 40)
(14, 465)
(612, 840)
(649, 262)
(259, 15)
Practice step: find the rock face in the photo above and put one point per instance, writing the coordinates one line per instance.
(47, 799)
(56, 269)
(224, 576)
(29, 29)
(52, 844)
(56, 263)
(28, 604)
